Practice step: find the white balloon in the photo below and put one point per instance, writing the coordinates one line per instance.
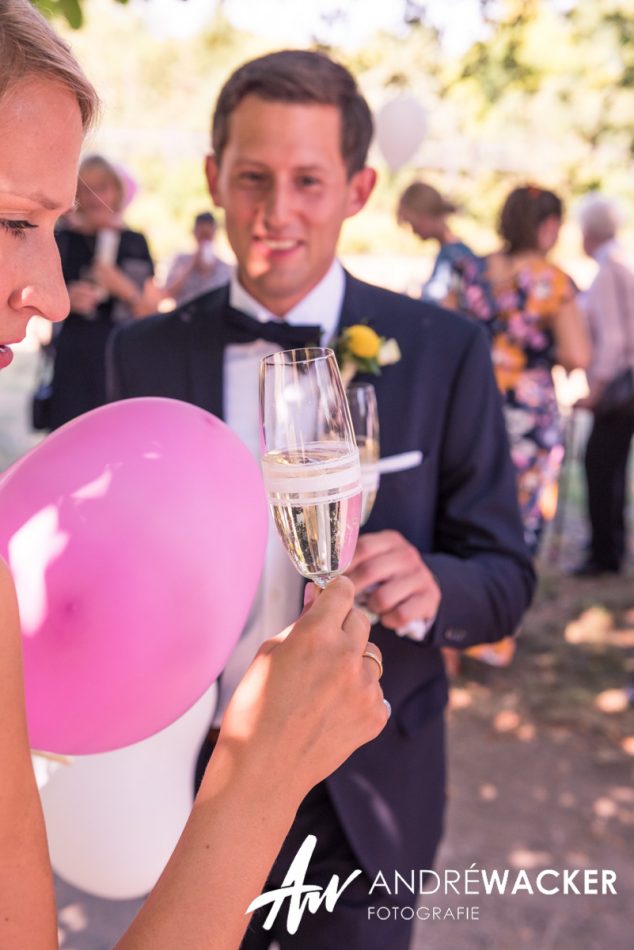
(113, 819)
(401, 125)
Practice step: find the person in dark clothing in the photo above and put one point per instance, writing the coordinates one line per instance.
(608, 305)
(105, 267)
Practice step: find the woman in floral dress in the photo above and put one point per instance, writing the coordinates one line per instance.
(528, 306)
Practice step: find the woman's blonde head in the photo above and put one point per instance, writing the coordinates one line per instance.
(30, 49)
(104, 168)
(422, 198)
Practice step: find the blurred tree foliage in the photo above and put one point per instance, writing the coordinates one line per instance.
(559, 78)
(71, 10)
(547, 95)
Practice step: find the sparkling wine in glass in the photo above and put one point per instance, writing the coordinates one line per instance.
(365, 422)
(311, 463)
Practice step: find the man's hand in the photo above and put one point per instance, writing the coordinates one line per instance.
(592, 399)
(404, 587)
(200, 261)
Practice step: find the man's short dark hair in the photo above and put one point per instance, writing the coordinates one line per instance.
(205, 217)
(299, 76)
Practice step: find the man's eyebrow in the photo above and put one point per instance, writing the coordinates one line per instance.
(245, 160)
(302, 166)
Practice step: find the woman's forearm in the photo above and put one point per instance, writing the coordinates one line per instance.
(240, 818)
(306, 702)
(27, 902)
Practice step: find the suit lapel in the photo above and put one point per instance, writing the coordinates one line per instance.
(351, 305)
(206, 352)
(357, 310)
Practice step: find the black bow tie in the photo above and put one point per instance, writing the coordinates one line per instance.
(241, 328)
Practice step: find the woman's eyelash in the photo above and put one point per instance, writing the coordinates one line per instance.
(17, 228)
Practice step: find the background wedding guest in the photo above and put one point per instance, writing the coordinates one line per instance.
(425, 210)
(609, 308)
(193, 274)
(306, 702)
(442, 559)
(529, 307)
(106, 267)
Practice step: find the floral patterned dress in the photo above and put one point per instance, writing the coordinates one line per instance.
(518, 308)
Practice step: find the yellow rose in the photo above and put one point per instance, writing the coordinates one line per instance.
(363, 342)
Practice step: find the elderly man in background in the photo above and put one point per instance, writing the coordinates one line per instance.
(609, 308)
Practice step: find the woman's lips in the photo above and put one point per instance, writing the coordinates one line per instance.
(6, 355)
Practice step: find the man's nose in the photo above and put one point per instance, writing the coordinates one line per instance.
(277, 206)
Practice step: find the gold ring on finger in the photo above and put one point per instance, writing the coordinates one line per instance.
(373, 656)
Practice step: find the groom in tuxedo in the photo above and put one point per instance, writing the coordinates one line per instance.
(442, 554)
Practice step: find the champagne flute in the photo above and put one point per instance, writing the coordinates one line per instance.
(107, 242)
(311, 463)
(365, 422)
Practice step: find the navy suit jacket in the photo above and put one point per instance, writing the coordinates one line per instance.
(458, 508)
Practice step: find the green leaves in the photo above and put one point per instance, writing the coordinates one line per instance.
(71, 10)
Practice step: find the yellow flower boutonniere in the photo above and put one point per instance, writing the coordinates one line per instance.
(360, 349)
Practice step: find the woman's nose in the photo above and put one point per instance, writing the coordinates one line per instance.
(42, 289)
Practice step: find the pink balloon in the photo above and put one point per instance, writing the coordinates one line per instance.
(135, 535)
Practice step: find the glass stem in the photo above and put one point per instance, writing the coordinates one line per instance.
(323, 580)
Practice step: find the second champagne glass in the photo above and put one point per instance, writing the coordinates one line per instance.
(311, 462)
(365, 422)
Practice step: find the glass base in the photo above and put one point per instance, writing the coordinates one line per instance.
(323, 580)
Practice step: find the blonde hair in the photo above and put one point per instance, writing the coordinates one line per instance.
(29, 47)
(98, 162)
(424, 199)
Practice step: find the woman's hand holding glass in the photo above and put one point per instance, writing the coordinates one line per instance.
(310, 697)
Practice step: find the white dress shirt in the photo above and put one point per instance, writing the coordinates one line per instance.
(609, 308)
(278, 599)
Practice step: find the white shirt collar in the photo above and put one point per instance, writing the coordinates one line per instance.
(322, 305)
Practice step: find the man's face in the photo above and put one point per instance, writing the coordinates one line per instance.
(284, 186)
(204, 232)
